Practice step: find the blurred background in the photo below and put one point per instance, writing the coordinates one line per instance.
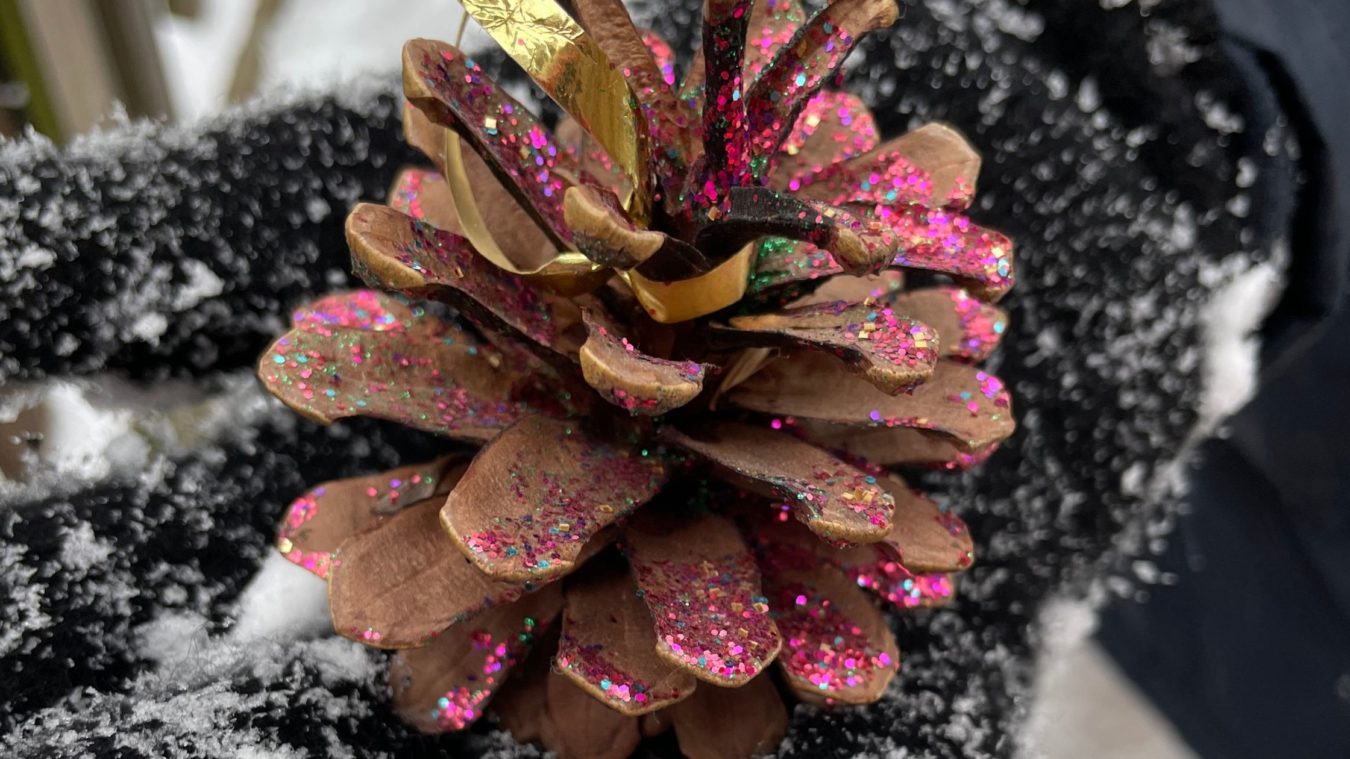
(69, 66)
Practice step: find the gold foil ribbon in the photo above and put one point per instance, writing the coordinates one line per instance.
(575, 72)
(685, 299)
(569, 273)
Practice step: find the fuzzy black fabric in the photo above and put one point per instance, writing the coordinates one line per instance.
(179, 252)
(1117, 155)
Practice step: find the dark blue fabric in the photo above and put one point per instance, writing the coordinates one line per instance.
(1248, 652)
(1304, 47)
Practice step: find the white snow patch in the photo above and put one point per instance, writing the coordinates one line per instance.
(1064, 623)
(66, 344)
(190, 686)
(255, 752)
(1089, 97)
(35, 258)
(65, 434)
(172, 639)
(1244, 294)
(338, 659)
(83, 550)
(56, 430)
(299, 47)
(1232, 346)
(201, 54)
(1217, 115)
(23, 605)
(181, 646)
(317, 209)
(1169, 48)
(1011, 19)
(283, 602)
(1248, 172)
(202, 284)
(1093, 710)
(149, 327)
(1132, 479)
(19, 266)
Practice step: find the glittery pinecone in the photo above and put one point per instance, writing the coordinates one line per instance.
(693, 352)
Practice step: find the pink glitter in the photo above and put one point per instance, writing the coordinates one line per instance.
(941, 241)
(922, 238)
(593, 664)
(301, 511)
(664, 57)
(552, 504)
(332, 366)
(842, 119)
(503, 132)
(820, 645)
(406, 196)
(830, 490)
(492, 659)
(796, 74)
(778, 21)
(710, 613)
(877, 178)
(979, 326)
(865, 335)
(890, 580)
(450, 266)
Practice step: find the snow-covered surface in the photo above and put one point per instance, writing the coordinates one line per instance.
(189, 689)
(1232, 345)
(69, 433)
(283, 602)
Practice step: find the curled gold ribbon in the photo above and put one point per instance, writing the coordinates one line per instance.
(575, 72)
(569, 273)
(685, 299)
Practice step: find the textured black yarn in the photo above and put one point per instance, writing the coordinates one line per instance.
(185, 541)
(122, 226)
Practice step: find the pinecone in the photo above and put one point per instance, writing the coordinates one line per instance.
(694, 352)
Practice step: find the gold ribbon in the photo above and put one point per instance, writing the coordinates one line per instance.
(575, 72)
(569, 273)
(685, 299)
